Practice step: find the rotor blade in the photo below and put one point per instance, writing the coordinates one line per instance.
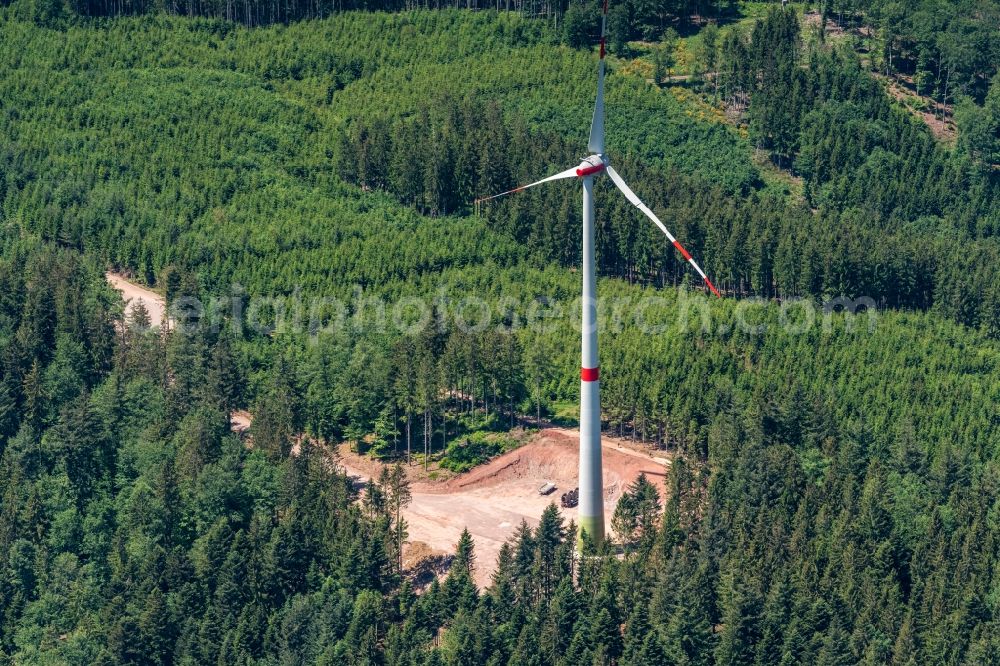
(637, 202)
(568, 173)
(596, 143)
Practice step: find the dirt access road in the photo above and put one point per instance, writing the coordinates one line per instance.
(133, 293)
(490, 500)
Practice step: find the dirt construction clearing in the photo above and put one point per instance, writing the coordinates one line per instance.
(491, 500)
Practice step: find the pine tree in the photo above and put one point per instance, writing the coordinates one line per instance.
(740, 631)
(524, 550)
(563, 612)
(8, 414)
(502, 589)
(653, 651)
(904, 651)
(399, 497)
(549, 535)
(274, 417)
(774, 623)
(984, 650)
(637, 631)
(465, 556)
(580, 649)
(835, 650)
(625, 520)
(156, 630)
(527, 651)
(459, 588)
(605, 632)
(21, 572)
(619, 28)
(34, 397)
(578, 26)
(138, 319)
(223, 380)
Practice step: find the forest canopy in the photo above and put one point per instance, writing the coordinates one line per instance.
(833, 492)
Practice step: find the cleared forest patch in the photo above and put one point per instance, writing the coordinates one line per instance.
(492, 499)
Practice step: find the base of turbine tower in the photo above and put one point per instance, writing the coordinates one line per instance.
(593, 526)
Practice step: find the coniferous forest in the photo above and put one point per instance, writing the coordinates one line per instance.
(834, 492)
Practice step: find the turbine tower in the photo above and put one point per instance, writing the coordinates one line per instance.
(591, 506)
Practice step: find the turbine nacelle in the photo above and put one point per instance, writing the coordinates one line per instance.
(591, 165)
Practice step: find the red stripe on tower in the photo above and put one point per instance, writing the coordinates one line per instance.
(590, 374)
(680, 248)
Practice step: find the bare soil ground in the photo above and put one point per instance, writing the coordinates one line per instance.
(815, 19)
(492, 499)
(939, 118)
(133, 294)
(240, 421)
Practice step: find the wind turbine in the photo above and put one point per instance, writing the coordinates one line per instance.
(591, 506)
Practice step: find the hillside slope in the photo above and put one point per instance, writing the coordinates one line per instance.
(833, 498)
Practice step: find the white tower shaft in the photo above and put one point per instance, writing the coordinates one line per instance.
(591, 507)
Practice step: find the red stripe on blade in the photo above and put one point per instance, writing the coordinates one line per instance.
(590, 374)
(684, 252)
(712, 287)
(602, 48)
